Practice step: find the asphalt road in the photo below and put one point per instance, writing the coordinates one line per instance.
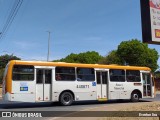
(50, 107)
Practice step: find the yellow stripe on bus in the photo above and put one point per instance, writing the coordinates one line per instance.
(9, 77)
(102, 99)
(41, 63)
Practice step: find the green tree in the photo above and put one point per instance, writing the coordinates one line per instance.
(1, 74)
(4, 59)
(90, 57)
(133, 52)
(72, 58)
(157, 74)
(137, 53)
(112, 58)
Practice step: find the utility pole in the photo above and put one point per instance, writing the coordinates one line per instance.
(48, 45)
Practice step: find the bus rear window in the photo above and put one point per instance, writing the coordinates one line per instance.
(23, 73)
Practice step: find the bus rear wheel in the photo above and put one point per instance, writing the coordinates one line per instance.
(135, 97)
(66, 99)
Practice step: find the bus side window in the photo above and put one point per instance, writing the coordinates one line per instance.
(39, 76)
(98, 77)
(48, 76)
(117, 75)
(133, 76)
(104, 77)
(85, 74)
(65, 74)
(58, 77)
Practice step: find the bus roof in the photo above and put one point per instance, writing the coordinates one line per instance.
(63, 64)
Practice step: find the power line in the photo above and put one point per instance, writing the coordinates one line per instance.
(11, 17)
(8, 19)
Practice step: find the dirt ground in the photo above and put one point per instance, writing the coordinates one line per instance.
(149, 106)
(140, 106)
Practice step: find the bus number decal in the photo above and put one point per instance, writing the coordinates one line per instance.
(82, 86)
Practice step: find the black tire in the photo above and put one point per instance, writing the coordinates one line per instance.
(66, 99)
(135, 97)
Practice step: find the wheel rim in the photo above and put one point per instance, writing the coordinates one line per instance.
(66, 99)
(135, 96)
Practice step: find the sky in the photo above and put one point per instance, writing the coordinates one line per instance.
(76, 26)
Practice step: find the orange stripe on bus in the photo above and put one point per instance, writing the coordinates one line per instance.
(39, 63)
(9, 77)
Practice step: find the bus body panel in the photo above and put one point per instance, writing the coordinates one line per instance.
(22, 97)
(81, 90)
(85, 91)
(24, 91)
(122, 90)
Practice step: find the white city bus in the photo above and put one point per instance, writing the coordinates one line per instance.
(33, 81)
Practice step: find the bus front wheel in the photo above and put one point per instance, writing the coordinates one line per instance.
(66, 99)
(135, 97)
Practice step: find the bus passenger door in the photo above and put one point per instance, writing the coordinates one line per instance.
(147, 86)
(43, 84)
(102, 85)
